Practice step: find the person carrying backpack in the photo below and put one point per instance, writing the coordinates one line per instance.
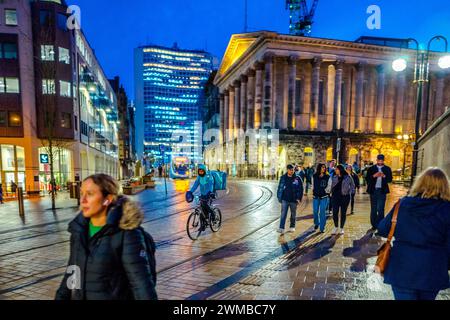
(206, 183)
(111, 256)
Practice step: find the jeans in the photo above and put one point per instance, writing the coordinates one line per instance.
(377, 204)
(340, 204)
(411, 294)
(285, 206)
(319, 208)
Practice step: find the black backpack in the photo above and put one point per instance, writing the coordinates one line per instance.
(150, 248)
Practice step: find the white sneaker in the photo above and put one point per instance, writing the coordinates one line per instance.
(291, 230)
(335, 231)
(281, 231)
(342, 232)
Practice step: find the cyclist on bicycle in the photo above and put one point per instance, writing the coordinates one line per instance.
(206, 183)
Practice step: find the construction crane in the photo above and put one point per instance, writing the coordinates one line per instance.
(301, 18)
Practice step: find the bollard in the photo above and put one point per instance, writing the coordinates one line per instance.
(77, 192)
(20, 199)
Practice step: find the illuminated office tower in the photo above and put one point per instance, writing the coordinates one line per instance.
(169, 87)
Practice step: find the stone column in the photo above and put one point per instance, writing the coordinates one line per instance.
(258, 94)
(398, 127)
(226, 118)
(338, 95)
(251, 100)
(359, 95)
(315, 86)
(268, 84)
(231, 126)
(291, 121)
(237, 107)
(244, 106)
(222, 115)
(380, 99)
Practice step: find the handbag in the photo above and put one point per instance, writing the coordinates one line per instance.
(385, 251)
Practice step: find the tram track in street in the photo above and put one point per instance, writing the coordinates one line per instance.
(163, 242)
(248, 208)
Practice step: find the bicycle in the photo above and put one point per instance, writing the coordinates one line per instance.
(197, 222)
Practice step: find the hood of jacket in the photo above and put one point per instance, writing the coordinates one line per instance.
(423, 207)
(124, 214)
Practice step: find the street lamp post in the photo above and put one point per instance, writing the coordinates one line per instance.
(421, 75)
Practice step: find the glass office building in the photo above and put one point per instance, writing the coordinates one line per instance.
(169, 89)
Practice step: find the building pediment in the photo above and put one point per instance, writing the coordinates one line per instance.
(238, 45)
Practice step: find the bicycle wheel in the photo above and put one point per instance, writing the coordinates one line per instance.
(194, 226)
(217, 223)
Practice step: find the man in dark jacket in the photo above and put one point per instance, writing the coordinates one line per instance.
(290, 195)
(112, 264)
(378, 178)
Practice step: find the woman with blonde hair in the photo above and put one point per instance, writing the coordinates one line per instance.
(420, 257)
(109, 251)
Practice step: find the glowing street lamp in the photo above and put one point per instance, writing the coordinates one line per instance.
(444, 62)
(421, 75)
(399, 65)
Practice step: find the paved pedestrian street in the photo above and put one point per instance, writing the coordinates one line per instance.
(246, 260)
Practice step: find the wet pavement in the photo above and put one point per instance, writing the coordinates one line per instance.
(246, 260)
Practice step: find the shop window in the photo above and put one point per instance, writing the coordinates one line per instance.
(8, 158)
(15, 119)
(11, 17)
(20, 153)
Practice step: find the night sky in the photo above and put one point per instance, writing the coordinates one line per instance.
(115, 28)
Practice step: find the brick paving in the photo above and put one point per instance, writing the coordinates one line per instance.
(246, 260)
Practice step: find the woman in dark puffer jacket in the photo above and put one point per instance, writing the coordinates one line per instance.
(108, 257)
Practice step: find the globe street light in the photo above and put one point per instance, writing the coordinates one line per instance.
(421, 75)
(399, 65)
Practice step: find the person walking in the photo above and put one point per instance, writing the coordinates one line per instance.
(378, 178)
(109, 257)
(309, 173)
(321, 185)
(420, 257)
(341, 190)
(1, 193)
(13, 188)
(290, 195)
(355, 178)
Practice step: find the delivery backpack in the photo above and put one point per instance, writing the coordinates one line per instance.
(220, 180)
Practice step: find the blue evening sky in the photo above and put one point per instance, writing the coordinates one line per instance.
(115, 28)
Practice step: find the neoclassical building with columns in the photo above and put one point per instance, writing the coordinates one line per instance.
(315, 91)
